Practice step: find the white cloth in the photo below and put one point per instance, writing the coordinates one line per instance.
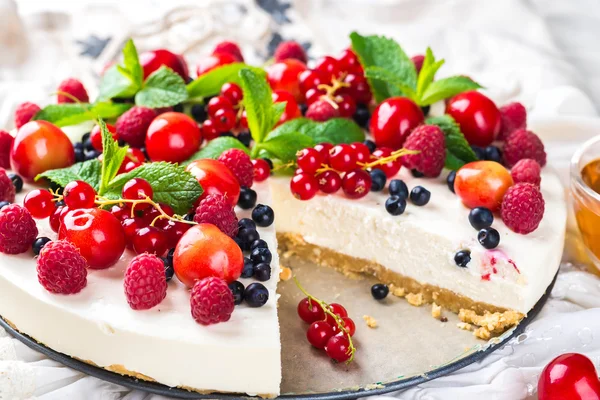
(539, 52)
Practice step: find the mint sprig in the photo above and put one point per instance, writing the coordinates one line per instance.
(87, 171)
(112, 158)
(458, 151)
(75, 113)
(216, 147)
(163, 88)
(209, 83)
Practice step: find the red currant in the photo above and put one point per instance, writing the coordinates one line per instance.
(313, 95)
(224, 120)
(356, 183)
(174, 231)
(209, 131)
(569, 376)
(319, 333)
(262, 170)
(150, 240)
(329, 181)
(338, 310)
(55, 219)
(310, 311)
(137, 189)
(309, 160)
(130, 227)
(363, 154)
(39, 203)
(324, 148)
(359, 88)
(390, 168)
(346, 104)
(338, 348)
(79, 194)
(312, 79)
(393, 120)
(304, 186)
(232, 92)
(477, 115)
(120, 212)
(349, 325)
(329, 66)
(342, 157)
(243, 120)
(96, 136)
(284, 76)
(217, 103)
(348, 62)
(291, 107)
(167, 209)
(172, 137)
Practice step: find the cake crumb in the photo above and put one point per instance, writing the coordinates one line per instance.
(397, 291)
(492, 322)
(436, 311)
(285, 274)
(465, 326)
(444, 319)
(288, 254)
(371, 322)
(482, 333)
(415, 299)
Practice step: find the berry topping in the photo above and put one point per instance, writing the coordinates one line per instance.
(322, 110)
(17, 229)
(39, 203)
(215, 178)
(232, 92)
(240, 164)
(523, 144)
(481, 217)
(256, 295)
(263, 215)
(39, 244)
(133, 125)
(17, 181)
(378, 180)
(527, 171)
(569, 376)
(319, 333)
(79, 194)
(393, 120)
(248, 269)
(395, 205)
(291, 111)
(379, 291)
(343, 157)
(309, 160)
(6, 141)
(493, 153)
(329, 181)
(61, 269)
(150, 239)
(420, 196)
(397, 187)
(71, 91)
(145, 282)
(262, 169)
(24, 113)
(247, 198)
(338, 348)
(283, 75)
(356, 183)
(523, 208)
(462, 258)
(7, 187)
(477, 115)
(168, 261)
(488, 238)
(304, 186)
(430, 142)
(217, 59)
(290, 49)
(246, 223)
(418, 61)
(450, 180)
(237, 289)
(172, 137)
(514, 116)
(212, 301)
(482, 184)
(154, 59)
(310, 311)
(231, 48)
(262, 272)
(215, 209)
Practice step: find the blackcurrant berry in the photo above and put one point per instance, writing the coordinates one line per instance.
(248, 269)
(256, 295)
(237, 288)
(420, 196)
(17, 182)
(189, 217)
(247, 236)
(168, 261)
(268, 161)
(199, 113)
(425, 110)
(397, 187)
(379, 291)
(481, 217)
(262, 272)
(39, 244)
(245, 138)
(247, 198)
(493, 153)
(3, 203)
(261, 255)
(488, 238)
(246, 223)
(378, 179)
(479, 152)
(91, 155)
(395, 205)
(178, 107)
(371, 145)
(263, 215)
(462, 258)
(303, 108)
(450, 180)
(259, 244)
(79, 153)
(87, 144)
(362, 115)
(416, 174)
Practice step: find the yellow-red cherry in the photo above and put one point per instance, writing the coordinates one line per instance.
(482, 184)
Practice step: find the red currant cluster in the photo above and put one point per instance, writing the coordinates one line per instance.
(225, 112)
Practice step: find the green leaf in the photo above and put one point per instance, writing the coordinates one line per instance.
(378, 51)
(75, 113)
(171, 185)
(335, 131)
(132, 64)
(380, 74)
(112, 157)
(209, 84)
(108, 110)
(447, 87)
(458, 151)
(258, 103)
(115, 85)
(215, 147)
(285, 146)
(277, 110)
(87, 171)
(163, 88)
(428, 71)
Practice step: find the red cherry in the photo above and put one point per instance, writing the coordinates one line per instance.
(96, 135)
(570, 376)
(346, 104)
(311, 79)
(39, 203)
(97, 233)
(174, 231)
(338, 310)
(153, 60)
(284, 76)
(172, 137)
(363, 154)
(356, 184)
(325, 149)
(79, 194)
(232, 92)
(328, 66)
(309, 160)
(215, 177)
(318, 334)
(310, 311)
(151, 240)
(477, 115)
(304, 186)
(205, 251)
(342, 157)
(209, 131)
(359, 88)
(338, 348)
(390, 168)
(137, 189)
(217, 103)
(482, 184)
(213, 61)
(130, 228)
(329, 181)
(262, 169)
(38, 147)
(55, 219)
(393, 120)
(348, 62)
(291, 107)
(224, 120)
(313, 95)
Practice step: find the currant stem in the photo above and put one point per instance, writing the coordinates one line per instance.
(102, 201)
(392, 157)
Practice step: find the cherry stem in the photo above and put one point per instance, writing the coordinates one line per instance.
(337, 318)
(102, 201)
(392, 157)
(336, 83)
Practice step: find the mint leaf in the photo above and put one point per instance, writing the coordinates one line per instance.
(87, 171)
(132, 67)
(285, 146)
(170, 183)
(116, 85)
(163, 88)
(428, 71)
(378, 51)
(447, 87)
(458, 151)
(209, 84)
(381, 74)
(335, 130)
(75, 113)
(258, 103)
(112, 157)
(215, 147)
(108, 110)
(277, 110)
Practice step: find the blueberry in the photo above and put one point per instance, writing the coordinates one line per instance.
(488, 238)
(450, 180)
(416, 174)
(79, 154)
(397, 187)
(60, 203)
(462, 258)
(425, 110)
(263, 215)
(245, 138)
(361, 115)
(481, 217)
(239, 242)
(227, 134)
(479, 152)
(91, 154)
(259, 244)
(85, 138)
(78, 145)
(493, 153)
(168, 261)
(371, 145)
(261, 255)
(303, 108)
(378, 179)
(17, 182)
(247, 236)
(268, 161)
(3, 204)
(145, 151)
(178, 108)
(247, 198)
(248, 269)
(199, 113)
(237, 288)
(246, 223)
(395, 205)
(256, 295)
(56, 188)
(262, 272)
(39, 244)
(379, 291)
(420, 196)
(189, 216)
(87, 145)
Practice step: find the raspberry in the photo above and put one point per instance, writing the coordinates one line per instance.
(17, 229)
(528, 171)
(240, 164)
(7, 187)
(211, 301)
(321, 110)
(72, 89)
(514, 116)
(229, 48)
(145, 282)
(24, 113)
(430, 141)
(133, 125)
(61, 268)
(290, 49)
(523, 144)
(215, 209)
(522, 208)
(418, 61)
(6, 141)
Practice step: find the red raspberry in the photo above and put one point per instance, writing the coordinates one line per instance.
(7, 188)
(145, 282)
(430, 141)
(418, 61)
(528, 171)
(290, 49)
(240, 164)
(322, 110)
(211, 301)
(6, 141)
(522, 208)
(17, 229)
(514, 116)
(24, 113)
(523, 144)
(133, 125)
(74, 89)
(229, 48)
(61, 268)
(215, 209)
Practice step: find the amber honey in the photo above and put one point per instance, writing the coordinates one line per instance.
(587, 207)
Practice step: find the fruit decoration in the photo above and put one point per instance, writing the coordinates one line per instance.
(569, 376)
